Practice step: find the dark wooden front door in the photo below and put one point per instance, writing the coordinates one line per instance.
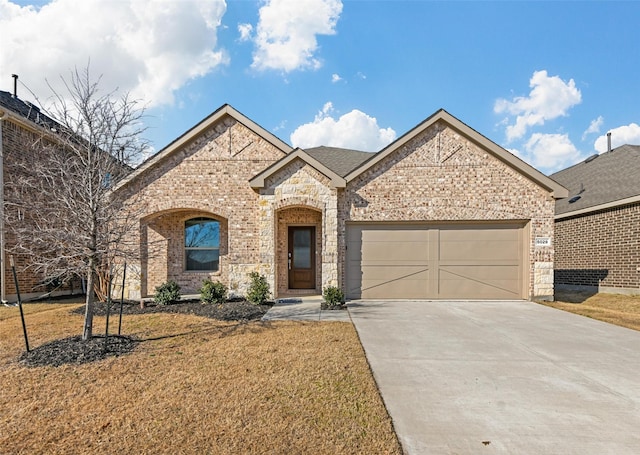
(301, 257)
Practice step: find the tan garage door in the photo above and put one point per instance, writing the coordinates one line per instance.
(459, 261)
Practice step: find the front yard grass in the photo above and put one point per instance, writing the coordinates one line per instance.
(193, 385)
(622, 310)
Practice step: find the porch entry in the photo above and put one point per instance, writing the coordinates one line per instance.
(301, 257)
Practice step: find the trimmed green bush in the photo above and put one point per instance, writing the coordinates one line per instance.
(258, 292)
(167, 293)
(213, 292)
(333, 296)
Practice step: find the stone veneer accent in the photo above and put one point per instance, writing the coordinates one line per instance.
(300, 195)
(442, 176)
(207, 177)
(600, 250)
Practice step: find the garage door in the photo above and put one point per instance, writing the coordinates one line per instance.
(461, 261)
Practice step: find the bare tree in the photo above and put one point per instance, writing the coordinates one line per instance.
(59, 206)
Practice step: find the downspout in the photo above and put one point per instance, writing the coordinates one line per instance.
(3, 281)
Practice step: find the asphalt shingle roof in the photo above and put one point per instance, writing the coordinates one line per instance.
(600, 179)
(26, 110)
(339, 160)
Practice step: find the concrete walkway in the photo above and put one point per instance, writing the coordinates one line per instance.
(303, 309)
(503, 377)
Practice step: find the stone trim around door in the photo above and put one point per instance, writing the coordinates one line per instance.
(286, 219)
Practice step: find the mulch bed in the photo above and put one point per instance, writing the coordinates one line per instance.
(236, 310)
(73, 350)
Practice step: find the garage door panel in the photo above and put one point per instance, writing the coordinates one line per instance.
(402, 282)
(395, 251)
(400, 285)
(475, 261)
(393, 272)
(482, 272)
(394, 235)
(375, 233)
(479, 244)
(473, 291)
(480, 233)
(469, 287)
(479, 251)
(479, 263)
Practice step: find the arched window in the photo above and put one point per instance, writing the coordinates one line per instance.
(202, 245)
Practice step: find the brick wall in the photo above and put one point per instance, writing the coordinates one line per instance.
(437, 176)
(600, 249)
(165, 236)
(209, 177)
(16, 151)
(442, 176)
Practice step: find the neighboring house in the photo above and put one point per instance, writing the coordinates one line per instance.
(598, 225)
(442, 212)
(19, 121)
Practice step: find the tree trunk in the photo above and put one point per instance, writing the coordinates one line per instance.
(87, 332)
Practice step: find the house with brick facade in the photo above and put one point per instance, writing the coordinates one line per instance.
(598, 226)
(20, 123)
(442, 212)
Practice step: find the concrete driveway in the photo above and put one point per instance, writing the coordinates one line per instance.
(503, 377)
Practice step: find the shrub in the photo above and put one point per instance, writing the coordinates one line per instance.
(258, 292)
(333, 296)
(213, 292)
(167, 293)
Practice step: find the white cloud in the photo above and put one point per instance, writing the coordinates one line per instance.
(550, 97)
(335, 78)
(149, 48)
(245, 31)
(549, 152)
(354, 130)
(594, 127)
(626, 134)
(287, 30)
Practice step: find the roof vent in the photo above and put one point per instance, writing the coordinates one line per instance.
(574, 199)
(609, 141)
(591, 158)
(15, 85)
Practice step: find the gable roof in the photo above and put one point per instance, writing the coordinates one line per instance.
(339, 160)
(349, 164)
(601, 181)
(194, 132)
(503, 155)
(298, 154)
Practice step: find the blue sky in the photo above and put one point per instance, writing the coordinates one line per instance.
(545, 80)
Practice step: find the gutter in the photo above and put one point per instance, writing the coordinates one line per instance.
(3, 281)
(596, 208)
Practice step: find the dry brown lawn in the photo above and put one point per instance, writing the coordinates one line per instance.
(622, 310)
(193, 386)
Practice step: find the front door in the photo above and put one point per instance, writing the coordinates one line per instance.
(301, 257)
